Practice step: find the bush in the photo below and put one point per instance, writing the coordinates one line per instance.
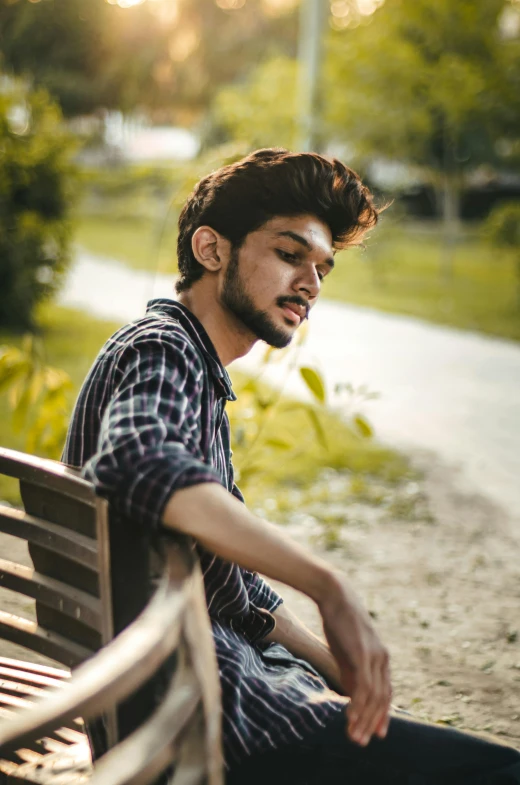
(37, 183)
(502, 229)
(502, 226)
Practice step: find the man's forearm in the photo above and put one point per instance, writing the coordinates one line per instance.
(225, 526)
(292, 633)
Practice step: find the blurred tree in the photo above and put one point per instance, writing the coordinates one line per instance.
(502, 229)
(36, 189)
(61, 45)
(87, 53)
(433, 85)
(262, 112)
(167, 56)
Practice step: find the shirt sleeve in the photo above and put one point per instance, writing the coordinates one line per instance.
(260, 593)
(149, 444)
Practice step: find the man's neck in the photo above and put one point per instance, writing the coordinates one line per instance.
(228, 334)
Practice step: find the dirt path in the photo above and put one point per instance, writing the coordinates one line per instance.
(446, 597)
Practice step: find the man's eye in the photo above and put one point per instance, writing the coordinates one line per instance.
(286, 256)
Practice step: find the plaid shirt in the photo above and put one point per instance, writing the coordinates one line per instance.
(150, 419)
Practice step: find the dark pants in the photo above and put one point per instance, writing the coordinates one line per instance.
(413, 753)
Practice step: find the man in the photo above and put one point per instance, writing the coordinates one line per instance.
(256, 238)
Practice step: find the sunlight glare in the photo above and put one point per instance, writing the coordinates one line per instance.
(340, 8)
(279, 7)
(367, 7)
(230, 5)
(183, 45)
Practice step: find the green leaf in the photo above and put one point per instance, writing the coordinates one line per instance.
(244, 475)
(318, 427)
(264, 403)
(13, 365)
(314, 382)
(21, 409)
(280, 444)
(250, 386)
(363, 426)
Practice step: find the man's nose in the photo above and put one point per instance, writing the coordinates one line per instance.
(309, 283)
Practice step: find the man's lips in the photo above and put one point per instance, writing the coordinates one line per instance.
(296, 313)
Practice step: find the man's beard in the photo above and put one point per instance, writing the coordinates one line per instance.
(236, 299)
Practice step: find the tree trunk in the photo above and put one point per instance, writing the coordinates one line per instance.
(451, 224)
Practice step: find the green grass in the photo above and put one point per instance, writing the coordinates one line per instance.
(142, 244)
(72, 340)
(400, 271)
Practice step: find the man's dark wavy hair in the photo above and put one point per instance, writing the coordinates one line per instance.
(240, 197)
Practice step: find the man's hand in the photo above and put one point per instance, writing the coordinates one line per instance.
(362, 659)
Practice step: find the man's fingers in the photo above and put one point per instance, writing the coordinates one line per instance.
(372, 710)
(382, 727)
(368, 713)
(358, 706)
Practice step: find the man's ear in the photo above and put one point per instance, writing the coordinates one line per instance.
(206, 245)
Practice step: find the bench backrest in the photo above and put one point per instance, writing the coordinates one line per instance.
(66, 528)
(74, 582)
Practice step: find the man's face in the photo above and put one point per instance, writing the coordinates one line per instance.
(273, 280)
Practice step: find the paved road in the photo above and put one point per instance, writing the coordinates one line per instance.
(453, 392)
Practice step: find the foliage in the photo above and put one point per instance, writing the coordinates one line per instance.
(36, 190)
(263, 426)
(169, 57)
(262, 110)
(502, 229)
(39, 397)
(434, 85)
(80, 51)
(72, 340)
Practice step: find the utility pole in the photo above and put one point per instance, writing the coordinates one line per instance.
(313, 15)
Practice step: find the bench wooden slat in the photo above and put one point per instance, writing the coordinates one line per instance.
(15, 688)
(69, 767)
(29, 677)
(151, 749)
(192, 766)
(28, 634)
(35, 667)
(14, 700)
(29, 756)
(71, 736)
(115, 671)
(77, 547)
(53, 593)
(52, 745)
(46, 473)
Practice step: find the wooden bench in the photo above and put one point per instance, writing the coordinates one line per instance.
(90, 580)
